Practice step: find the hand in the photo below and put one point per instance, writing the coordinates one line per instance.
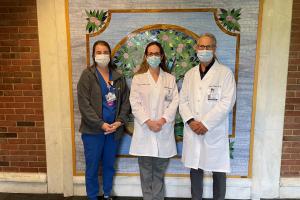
(202, 130)
(153, 125)
(116, 125)
(107, 128)
(162, 121)
(194, 125)
(198, 127)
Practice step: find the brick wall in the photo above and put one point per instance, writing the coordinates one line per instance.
(22, 138)
(290, 164)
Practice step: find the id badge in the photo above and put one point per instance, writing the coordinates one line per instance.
(110, 98)
(213, 93)
(169, 95)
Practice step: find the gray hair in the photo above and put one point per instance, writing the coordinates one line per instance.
(211, 36)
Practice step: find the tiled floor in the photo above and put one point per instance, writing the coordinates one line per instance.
(9, 196)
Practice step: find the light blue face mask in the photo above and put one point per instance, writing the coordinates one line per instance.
(205, 55)
(153, 61)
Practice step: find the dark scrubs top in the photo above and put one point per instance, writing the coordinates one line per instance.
(108, 108)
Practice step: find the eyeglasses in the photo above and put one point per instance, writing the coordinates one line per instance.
(209, 47)
(153, 54)
(102, 52)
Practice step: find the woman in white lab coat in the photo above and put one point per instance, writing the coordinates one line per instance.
(207, 96)
(154, 101)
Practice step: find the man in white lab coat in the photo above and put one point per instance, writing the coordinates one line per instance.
(207, 96)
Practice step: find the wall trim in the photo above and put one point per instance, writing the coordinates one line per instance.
(23, 182)
(175, 187)
(179, 187)
(290, 187)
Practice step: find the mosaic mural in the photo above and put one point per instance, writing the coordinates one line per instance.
(128, 32)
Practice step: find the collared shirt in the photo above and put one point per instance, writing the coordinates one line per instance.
(202, 74)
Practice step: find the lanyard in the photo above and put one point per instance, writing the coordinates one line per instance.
(110, 83)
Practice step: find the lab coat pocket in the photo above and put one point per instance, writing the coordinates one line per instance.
(144, 89)
(215, 136)
(167, 131)
(188, 133)
(141, 131)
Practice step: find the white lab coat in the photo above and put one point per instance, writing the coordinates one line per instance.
(150, 100)
(208, 100)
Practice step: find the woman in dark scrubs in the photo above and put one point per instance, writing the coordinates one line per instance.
(104, 107)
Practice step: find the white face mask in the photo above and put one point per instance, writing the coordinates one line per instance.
(205, 55)
(102, 60)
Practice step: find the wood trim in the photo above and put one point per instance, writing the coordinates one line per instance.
(255, 85)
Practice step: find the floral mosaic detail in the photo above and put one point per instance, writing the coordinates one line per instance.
(229, 19)
(96, 19)
(178, 47)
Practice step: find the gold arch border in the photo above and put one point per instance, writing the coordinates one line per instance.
(179, 28)
(154, 27)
